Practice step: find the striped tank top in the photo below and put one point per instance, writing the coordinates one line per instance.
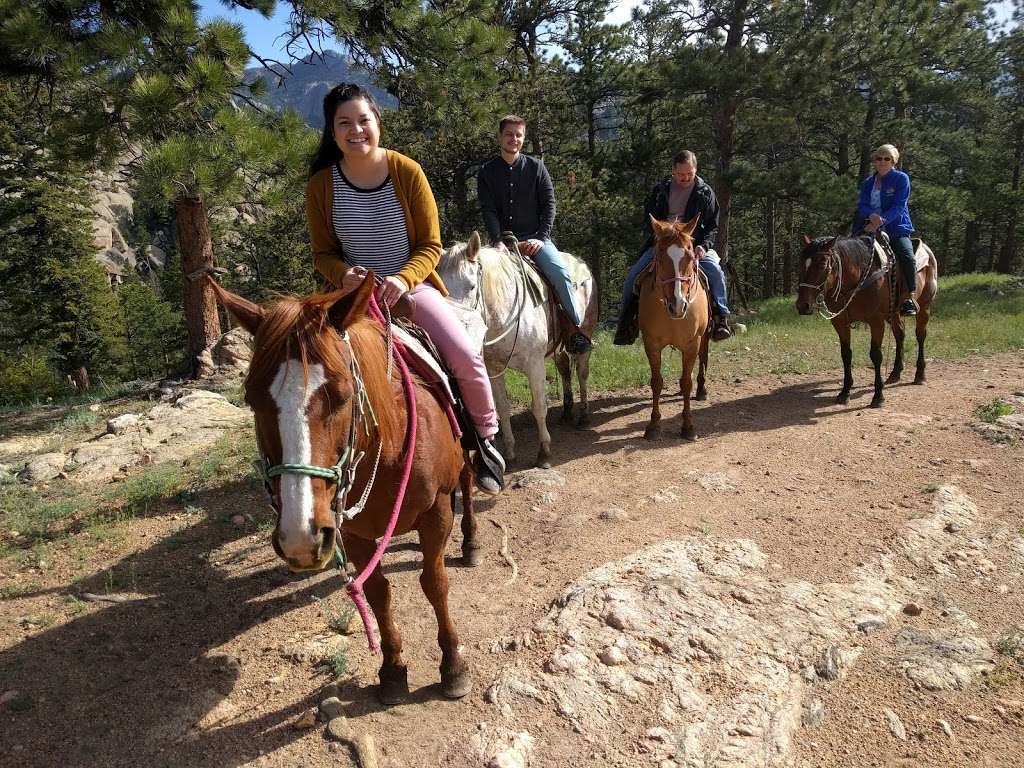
(370, 225)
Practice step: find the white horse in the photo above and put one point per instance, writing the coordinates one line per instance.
(522, 331)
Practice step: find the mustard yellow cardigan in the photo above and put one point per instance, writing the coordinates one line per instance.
(421, 222)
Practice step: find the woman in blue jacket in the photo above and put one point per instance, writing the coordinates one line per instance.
(883, 203)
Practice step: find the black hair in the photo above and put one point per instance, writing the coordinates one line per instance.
(328, 153)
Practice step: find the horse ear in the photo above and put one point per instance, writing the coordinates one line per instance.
(833, 241)
(473, 246)
(691, 226)
(248, 315)
(655, 224)
(805, 239)
(352, 306)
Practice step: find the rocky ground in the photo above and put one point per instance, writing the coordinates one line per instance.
(807, 585)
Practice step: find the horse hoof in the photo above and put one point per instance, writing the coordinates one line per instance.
(689, 434)
(583, 420)
(651, 433)
(919, 379)
(457, 684)
(472, 556)
(394, 686)
(701, 395)
(543, 460)
(843, 398)
(893, 379)
(876, 402)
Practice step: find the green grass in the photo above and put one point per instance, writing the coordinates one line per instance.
(972, 314)
(990, 412)
(341, 619)
(1011, 645)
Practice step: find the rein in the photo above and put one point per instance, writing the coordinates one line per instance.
(834, 260)
(343, 472)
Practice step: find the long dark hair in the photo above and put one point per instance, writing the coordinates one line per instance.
(328, 153)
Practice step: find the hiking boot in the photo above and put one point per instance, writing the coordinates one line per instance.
(489, 468)
(628, 328)
(579, 343)
(909, 308)
(720, 329)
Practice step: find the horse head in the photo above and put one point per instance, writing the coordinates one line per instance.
(675, 265)
(315, 362)
(460, 268)
(817, 269)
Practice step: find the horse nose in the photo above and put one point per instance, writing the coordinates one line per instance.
(803, 308)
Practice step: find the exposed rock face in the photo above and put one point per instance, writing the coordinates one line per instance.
(690, 652)
(168, 432)
(233, 351)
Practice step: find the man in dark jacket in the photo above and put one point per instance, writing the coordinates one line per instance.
(516, 195)
(682, 196)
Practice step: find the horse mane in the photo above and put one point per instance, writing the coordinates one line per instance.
(300, 328)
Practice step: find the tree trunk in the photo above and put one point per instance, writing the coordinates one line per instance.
(723, 123)
(196, 247)
(787, 250)
(991, 255)
(768, 286)
(843, 158)
(1009, 250)
(80, 378)
(969, 259)
(865, 140)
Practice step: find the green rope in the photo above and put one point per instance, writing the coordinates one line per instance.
(328, 473)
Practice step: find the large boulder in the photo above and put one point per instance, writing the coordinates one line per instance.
(47, 466)
(234, 350)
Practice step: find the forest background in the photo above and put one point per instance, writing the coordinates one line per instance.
(783, 102)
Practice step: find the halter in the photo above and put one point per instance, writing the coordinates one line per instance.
(833, 258)
(343, 472)
(687, 281)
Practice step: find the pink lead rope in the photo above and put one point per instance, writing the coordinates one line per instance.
(355, 587)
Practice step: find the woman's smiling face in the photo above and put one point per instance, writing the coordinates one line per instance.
(356, 128)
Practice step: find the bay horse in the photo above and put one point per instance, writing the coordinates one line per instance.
(521, 333)
(320, 392)
(674, 312)
(843, 275)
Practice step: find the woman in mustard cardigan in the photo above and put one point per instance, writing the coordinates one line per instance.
(370, 208)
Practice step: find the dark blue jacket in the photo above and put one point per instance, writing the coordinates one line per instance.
(895, 191)
(519, 199)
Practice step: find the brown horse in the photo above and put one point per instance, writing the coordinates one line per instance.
(674, 312)
(318, 386)
(846, 275)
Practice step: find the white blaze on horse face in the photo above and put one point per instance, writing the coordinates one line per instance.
(292, 389)
(807, 264)
(676, 253)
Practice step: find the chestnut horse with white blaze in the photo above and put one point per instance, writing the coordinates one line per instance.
(845, 277)
(674, 312)
(319, 389)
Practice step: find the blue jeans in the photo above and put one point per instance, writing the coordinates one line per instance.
(550, 261)
(904, 250)
(709, 265)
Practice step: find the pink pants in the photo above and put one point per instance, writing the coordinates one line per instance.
(435, 317)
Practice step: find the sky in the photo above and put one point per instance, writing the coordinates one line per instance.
(262, 34)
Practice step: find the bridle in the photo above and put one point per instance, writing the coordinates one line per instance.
(343, 472)
(688, 281)
(834, 267)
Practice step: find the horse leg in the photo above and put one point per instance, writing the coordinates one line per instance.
(688, 432)
(921, 331)
(504, 417)
(899, 333)
(394, 680)
(846, 353)
(472, 554)
(434, 528)
(877, 334)
(539, 394)
(564, 365)
(702, 393)
(657, 382)
(582, 377)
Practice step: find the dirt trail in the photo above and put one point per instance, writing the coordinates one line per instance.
(209, 665)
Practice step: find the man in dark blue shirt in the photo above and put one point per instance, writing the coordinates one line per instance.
(516, 195)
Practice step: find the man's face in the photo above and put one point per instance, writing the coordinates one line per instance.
(684, 173)
(511, 138)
